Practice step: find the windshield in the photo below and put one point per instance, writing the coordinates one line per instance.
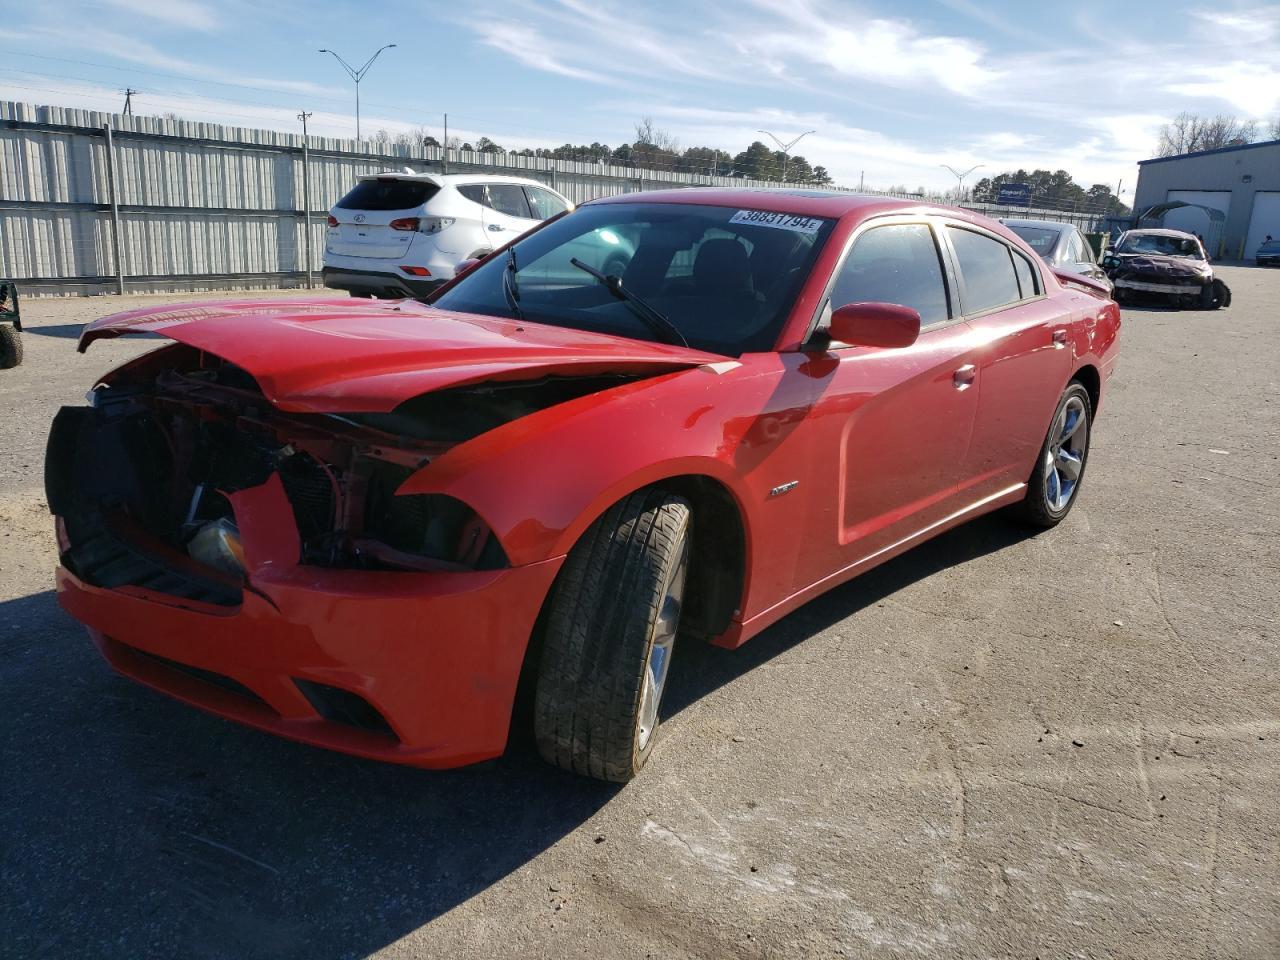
(1041, 239)
(724, 278)
(1160, 245)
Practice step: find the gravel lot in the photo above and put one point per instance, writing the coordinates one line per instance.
(997, 745)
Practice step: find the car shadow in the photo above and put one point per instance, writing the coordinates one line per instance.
(136, 826)
(699, 669)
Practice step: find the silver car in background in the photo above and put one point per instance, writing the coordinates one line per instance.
(1060, 245)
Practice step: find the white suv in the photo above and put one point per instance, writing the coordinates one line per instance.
(403, 234)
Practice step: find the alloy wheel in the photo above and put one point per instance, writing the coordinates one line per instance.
(1064, 457)
(658, 663)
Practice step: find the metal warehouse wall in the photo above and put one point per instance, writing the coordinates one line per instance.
(1244, 171)
(203, 204)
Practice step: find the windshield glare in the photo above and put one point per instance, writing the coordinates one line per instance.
(1161, 246)
(724, 277)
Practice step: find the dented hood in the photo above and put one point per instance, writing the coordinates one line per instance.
(369, 356)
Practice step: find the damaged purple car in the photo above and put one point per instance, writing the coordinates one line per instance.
(1166, 266)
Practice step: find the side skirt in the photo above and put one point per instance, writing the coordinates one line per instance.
(740, 633)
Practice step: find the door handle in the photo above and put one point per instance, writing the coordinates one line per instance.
(963, 377)
(496, 227)
(1059, 339)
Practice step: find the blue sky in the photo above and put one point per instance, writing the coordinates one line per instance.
(893, 89)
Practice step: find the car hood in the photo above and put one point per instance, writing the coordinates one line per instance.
(330, 356)
(1170, 267)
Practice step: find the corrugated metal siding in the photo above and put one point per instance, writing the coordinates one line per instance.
(219, 200)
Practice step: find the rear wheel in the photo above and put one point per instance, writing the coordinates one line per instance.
(1055, 481)
(610, 630)
(10, 347)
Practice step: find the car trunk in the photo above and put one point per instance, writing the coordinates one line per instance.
(366, 213)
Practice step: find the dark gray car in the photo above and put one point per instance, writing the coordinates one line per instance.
(1060, 245)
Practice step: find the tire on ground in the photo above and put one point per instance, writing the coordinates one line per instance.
(599, 627)
(1034, 508)
(10, 347)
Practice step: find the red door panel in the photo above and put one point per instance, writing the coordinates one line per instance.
(1024, 358)
(888, 441)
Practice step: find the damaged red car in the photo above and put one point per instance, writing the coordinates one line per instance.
(375, 526)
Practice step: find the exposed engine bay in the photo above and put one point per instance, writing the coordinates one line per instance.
(143, 480)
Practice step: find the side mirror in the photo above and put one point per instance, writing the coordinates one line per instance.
(465, 265)
(875, 325)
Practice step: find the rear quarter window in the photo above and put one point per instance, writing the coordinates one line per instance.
(387, 195)
(986, 267)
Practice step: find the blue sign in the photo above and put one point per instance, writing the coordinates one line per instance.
(1015, 194)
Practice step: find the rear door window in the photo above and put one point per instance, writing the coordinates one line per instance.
(897, 263)
(544, 203)
(388, 195)
(987, 271)
(474, 192)
(509, 198)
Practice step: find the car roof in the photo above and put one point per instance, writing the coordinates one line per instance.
(1058, 225)
(810, 203)
(450, 179)
(1162, 232)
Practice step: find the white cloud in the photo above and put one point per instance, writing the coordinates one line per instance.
(187, 14)
(529, 46)
(889, 52)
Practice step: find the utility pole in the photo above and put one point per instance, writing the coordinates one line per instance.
(444, 155)
(357, 75)
(960, 177)
(861, 176)
(786, 148)
(306, 197)
(128, 100)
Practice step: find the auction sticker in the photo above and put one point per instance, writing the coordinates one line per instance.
(780, 221)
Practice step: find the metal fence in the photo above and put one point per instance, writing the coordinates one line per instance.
(95, 202)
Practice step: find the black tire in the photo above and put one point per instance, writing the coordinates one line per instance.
(362, 294)
(601, 622)
(1215, 294)
(1040, 507)
(10, 347)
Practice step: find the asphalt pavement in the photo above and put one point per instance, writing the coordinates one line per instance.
(997, 745)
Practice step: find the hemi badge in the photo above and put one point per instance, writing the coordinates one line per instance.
(782, 488)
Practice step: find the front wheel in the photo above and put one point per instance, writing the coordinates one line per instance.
(10, 347)
(610, 629)
(1055, 481)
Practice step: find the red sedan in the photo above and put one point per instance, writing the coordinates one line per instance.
(366, 525)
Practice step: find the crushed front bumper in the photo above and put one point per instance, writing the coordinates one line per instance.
(1145, 286)
(435, 655)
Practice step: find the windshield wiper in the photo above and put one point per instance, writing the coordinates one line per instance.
(509, 288)
(656, 321)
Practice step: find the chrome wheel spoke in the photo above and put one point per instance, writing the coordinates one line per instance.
(1069, 464)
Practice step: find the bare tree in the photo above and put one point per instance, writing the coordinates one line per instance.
(649, 134)
(1188, 133)
(1273, 132)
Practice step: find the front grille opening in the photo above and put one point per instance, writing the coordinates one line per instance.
(208, 676)
(345, 707)
(309, 488)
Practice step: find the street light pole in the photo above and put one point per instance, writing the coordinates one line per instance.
(357, 75)
(785, 147)
(960, 177)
